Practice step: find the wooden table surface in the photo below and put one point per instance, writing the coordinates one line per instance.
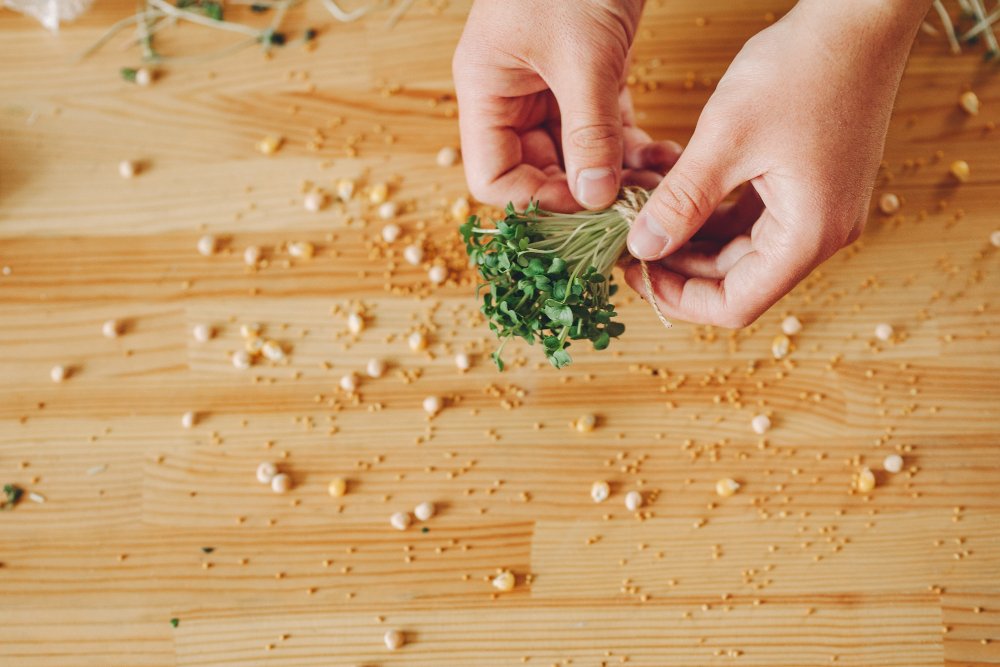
(145, 521)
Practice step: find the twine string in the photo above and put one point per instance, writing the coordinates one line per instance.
(629, 204)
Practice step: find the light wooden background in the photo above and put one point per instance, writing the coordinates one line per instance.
(793, 570)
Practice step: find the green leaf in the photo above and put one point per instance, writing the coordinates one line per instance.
(497, 360)
(559, 314)
(560, 358)
(602, 341)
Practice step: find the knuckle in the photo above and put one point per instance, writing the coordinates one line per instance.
(595, 137)
(737, 319)
(680, 198)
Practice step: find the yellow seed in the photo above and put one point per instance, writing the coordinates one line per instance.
(726, 487)
(888, 203)
(969, 103)
(337, 487)
(865, 480)
(780, 346)
(378, 193)
(504, 581)
(270, 144)
(960, 170)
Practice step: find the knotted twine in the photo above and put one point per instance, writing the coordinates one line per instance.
(630, 202)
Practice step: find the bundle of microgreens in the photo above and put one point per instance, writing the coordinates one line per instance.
(547, 276)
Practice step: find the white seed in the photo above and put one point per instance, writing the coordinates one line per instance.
(314, 201)
(504, 581)
(188, 419)
(633, 501)
(349, 382)
(337, 487)
(128, 168)
(202, 332)
(266, 472)
(417, 341)
(207, 245)
(301, 249)
(58, 373)
(969, 103)
(242, 360)
(355, 323)
(760, 424)
(143, 77)
(447, 157)
(865, 480)
(600, 491)
(272, 350)
(387, 211)
(281, 483)
(400, 520)
(378, 193)
(888, 203)
(111, 328)
(394, 639)
(586, 423)
(391, 231)
(791, 325)
(462, 361)
(995, 239)
(437, 274)
(345, 189)
(433, 405)
(413, 254)
(460, 209)
(893, 463)
(883, 331)
(726, 487)
(424, 511)
(375, 367)
(251, 256)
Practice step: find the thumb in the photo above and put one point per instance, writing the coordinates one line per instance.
(592, 136)
(684, 199)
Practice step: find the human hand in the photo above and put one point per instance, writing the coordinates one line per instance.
(544, 112)
(802, 114)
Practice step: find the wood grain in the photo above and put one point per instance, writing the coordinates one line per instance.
(145, 521)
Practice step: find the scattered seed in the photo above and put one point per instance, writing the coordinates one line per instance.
(270, 144)
(462, 361)
(791, 325)
(417, 341)
(387, 211)
(266, 472)
(437, 274)
(960, 170)
(272, 350)
(202, 332)
(111, 328)
(378, 193)
(760, 424)
(345, 189)
(188, 419)
(460, 209)
(375, 368)
(400, 520)
(995, 239)
(447, 157)
(893, 463)
(781, 346)
(883, 331)
(337, 487)
(391, 231)
(242, 360)
(633, 501)
(281, 483)
(394, 639)
(433, 405)
(504, 581)
(726, 487)
(888, 203)
(600, 491)
(128, 169)
(301, 249)
(586, 423)
(413, 254)
(969, 102)
(349, 382)
(865, 480)
(314, 201)
(424, 511)
(252, 255)
(207, 245)
(58, 373)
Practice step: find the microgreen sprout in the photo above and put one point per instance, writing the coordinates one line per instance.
(547, 276)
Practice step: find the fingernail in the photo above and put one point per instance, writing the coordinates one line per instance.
(647, 239)
(596, 187)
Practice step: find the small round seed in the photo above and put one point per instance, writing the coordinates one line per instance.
(424, 511)
(375, 368)
(413, 254)
(400, 520)
(504, 581)
(111, 328)
(266, 472)
(391, 231)
(394, 639)
(633, 501)
(726, 487)
(337, 487)
(600, 491)
(883, 331)
(128, 168)
(203, 332)
(281, 483)
(207, 245)
(760, 424)
(791, 325)
(888, 203)
(447, 157)
(433, 405)
(893, 463)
